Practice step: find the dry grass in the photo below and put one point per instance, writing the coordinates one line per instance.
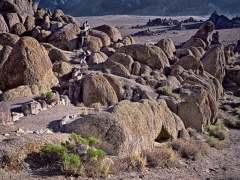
(138, 161)
(162, 157)
(96, 106)
(190, 149)
(233, 122)
(84, 112)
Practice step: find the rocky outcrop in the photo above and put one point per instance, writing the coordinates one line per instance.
(126, 60)
(93, 44)
(57, 55)
(130, 127)
(28, 64)
(152, 56)
(111, 31)
(96, 88)
(195, 42)
(4, 53)
(223, 22)
(96, 58)
(61, 69)
(214, 62)
(11, 19)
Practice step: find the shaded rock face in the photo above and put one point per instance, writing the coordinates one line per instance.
(4, 53)
(111, 31)
(103, 36)
(65, 38)
(130, 127)
(96, 88)
(214, 62)
(12, 19)
(3, 24)
(28, 64)
(152, 56)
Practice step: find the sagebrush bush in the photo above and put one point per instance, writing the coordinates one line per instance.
(138, 161)
(190, 149)
(218, 131)
(237, 111)
(165, 90)
(214, 142)
(233, 122)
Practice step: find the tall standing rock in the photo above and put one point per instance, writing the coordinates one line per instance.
(214, 62)
(205, 31)
(28, 64)
(168, 47)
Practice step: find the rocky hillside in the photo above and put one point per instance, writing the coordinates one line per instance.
(142, 7)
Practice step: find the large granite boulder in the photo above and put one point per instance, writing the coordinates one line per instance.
(96, 58)
(103, 36)
(4, 53)
(28, 64)
(57, 55)
(29, 23)
(168, 47)
(214, 62)
(126, 60)
(92, 43)
(152, 56)
(129, 127)
(18, 29)
(195, 42)
(96, 88)
(111, 31)
(66, 37)
(8, 39)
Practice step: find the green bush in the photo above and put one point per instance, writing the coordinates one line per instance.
(72, 163)
(218, 131)
(94, 154)
(165, 90)
(92, 141)
(214, 142)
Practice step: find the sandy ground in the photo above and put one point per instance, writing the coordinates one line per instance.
(219, 164)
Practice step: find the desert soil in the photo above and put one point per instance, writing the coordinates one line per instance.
(219, 164)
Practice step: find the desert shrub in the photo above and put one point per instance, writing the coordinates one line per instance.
(162, 157)
(96, 106)
(218, 131)
(233, 122)
(190, 149)
(237, 111)
(214, 142)
(165, 90)
(92, 141)
(96, 154)
(48, 97)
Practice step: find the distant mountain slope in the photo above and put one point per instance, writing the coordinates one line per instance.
(142, 7)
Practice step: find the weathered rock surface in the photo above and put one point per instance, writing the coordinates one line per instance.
(152, 56)
(103, 36)
(126, 60)
(168, 47)
(96, 58)
(8, 39)
(130, 127)
(4, 53)
(111, 31)
(214, 62)
(11, 19)
(57, 55)
(97, 89)
(28, 64)
(93, 44)
(5, 114)
(3, 24)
